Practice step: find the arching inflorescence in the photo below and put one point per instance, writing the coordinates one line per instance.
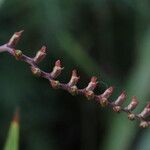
(71, 86)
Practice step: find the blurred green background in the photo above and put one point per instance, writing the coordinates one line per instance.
(106, 38)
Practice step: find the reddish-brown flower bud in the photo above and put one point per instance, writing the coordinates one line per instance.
(74, 79)
(92, 85)
(40, 55)
(17, 54)
(146, 112)
(55, 84)
(16, 117)
(57, 69)
(108, 92)
(144, 124)
(120, 99)
(36, 71)
(133, 104)
(14, 39)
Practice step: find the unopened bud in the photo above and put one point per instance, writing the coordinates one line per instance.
(92, 85)
(17, 54)
(144, 124)
(74, 79)
(73, 90)
(57, 69)
(120, 99)
(146, 112)
(36, 71)
(108, 92)
(133, 104)
(131, 116)
(40, 55)
(55, 84)
(14, 39)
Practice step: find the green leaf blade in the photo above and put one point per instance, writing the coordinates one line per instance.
(12, 142)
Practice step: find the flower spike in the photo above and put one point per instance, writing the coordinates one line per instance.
(71, 87)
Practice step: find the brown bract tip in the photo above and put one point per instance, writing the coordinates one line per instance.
(16, 116)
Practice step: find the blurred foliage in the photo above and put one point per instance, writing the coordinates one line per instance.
(107, 38)
(12, 140)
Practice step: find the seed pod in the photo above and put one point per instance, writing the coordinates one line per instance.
(74, 79)
(40, 55)
(120, 99)
(56, 70)
(14, 39)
